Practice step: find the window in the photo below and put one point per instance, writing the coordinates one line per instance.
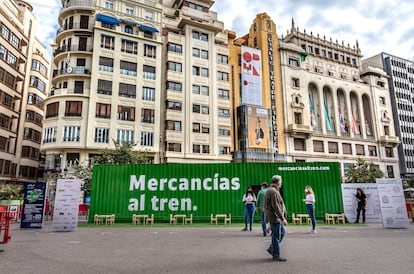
(129, 46)
(293, 62)
(200, 53)
(173, 125)
(372, 150)
(174, 86)
(109, 5)
(223, 93)
(103, 111)
(52, 110)
(126, 113)
(128, 29)
(295, 83)
(149, 15)
(104, 87)
(390, 171)
(32, 135)
(127, 90)
(224, 132)
(147, 138)
(71, 134)
(389, 152)
(107, 42)
(37, 83)
(73, 108)
(38, 66)
(386, 130)
(382, 100)
(78, 87)
(200, 71)
(347, 149)
(224, 150)
(147, 116)
(150, 51)
(332, 147)
(49, 135)
(205, 129)
(360, 150)
(318, 146)
(203, 90)
(30, 152)
(148, 72)
(200, 36)
(106, 64)
(175, 48)
(222, 76)
(299, 144)
(101, 135)
(173, 66)
(222, 59)
(124, 136)
(224, 112)
(196, 148)
(148, 94)
(5, 121)
(128, 68)
(196, 127)
(129, 11)
(175, 147)
(174, 105)
(5, 32)
(298, 118)
(195, 6)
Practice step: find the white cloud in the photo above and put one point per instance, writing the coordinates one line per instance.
(379, 26)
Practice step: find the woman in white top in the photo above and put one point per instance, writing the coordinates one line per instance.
(310, 206)
(249, 199)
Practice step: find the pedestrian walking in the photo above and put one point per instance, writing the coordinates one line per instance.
(276, 215)
(260, 206)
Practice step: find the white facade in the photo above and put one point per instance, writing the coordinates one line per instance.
(333, 110)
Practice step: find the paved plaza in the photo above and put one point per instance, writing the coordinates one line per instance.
(210, 249)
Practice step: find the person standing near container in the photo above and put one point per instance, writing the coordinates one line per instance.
(249, 199)
(276, 215)
(310, 206)
(260, 205)
(361, 199)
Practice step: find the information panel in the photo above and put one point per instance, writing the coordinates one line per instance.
(373, 209)
(391, 194)
(33, 205)
(65, 213)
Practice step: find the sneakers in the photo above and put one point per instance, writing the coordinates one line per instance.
(268, 230)
(244, 229)
(313, 232)
(280, 259)
(269, 251)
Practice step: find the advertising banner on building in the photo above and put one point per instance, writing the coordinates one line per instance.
(65, 213)
(251, 75)
(33, 205)
(391, 195)
(259, 128)
(373, 209)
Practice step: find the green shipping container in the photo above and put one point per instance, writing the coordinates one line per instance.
(204, 189)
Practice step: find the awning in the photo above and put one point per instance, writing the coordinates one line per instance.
(128, 22)
(147, 28)
(107, 19)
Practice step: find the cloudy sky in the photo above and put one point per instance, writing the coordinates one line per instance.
(386, 26)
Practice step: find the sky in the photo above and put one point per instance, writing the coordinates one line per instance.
(386, 26)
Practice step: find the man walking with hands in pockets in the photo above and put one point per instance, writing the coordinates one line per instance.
(276, 215)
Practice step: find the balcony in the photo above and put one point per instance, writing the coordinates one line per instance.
(387, 140)
(77, 4)
(297, 130)
(63, 49)
(75, 26)
(71, 70)
(65, 91)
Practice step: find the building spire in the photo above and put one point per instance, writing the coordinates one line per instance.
(293, 23)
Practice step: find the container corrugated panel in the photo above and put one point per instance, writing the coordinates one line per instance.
(204, 189)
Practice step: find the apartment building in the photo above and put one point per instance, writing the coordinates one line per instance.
(106, 81)
(23, 86)
(400, 74)
(335, 109)
(197, 119)
(256, 93)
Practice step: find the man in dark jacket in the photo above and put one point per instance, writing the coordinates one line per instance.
(276, 215)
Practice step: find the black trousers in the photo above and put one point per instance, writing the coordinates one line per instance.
(359, 209)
